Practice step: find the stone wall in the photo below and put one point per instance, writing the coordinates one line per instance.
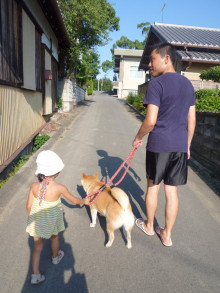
(206, 141)
(203, 84)
(71, 93)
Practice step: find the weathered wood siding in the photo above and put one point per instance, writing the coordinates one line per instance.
(20, 117)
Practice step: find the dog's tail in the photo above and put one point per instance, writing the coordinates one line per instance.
(121, 197)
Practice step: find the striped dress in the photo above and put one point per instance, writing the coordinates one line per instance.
(46, 219)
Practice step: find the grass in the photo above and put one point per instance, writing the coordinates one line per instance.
(39, 140)
(15, 167)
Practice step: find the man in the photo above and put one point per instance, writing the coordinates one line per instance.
(170, 121)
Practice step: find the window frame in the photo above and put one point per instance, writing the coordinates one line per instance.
(11, 57)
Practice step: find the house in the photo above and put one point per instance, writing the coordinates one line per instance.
(31, 35)
(126, 65)
(198, 49)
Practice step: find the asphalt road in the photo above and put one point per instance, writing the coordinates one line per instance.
(98, 139)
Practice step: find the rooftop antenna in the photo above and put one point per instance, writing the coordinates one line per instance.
(162, 11)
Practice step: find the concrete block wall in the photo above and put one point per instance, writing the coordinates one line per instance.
(206, 141)
(71, 93)
(203, 84)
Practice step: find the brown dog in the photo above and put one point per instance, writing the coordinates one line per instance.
(113, 204)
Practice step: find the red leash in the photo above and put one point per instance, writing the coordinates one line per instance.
(130, 158)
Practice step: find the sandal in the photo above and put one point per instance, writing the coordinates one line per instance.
(158, 229)
(141, 226)
(56, 260)
(37, 278)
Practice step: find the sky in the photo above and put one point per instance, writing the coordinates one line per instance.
(202, 13)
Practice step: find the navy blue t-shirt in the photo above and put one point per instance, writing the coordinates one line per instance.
(173, 94)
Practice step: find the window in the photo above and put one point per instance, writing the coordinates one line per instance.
(38, 67)
(134, 73)
(10, 43)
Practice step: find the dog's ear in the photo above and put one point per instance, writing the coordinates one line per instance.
(96, 175)
(83, 175)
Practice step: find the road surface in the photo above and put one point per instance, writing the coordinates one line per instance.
(98, 139)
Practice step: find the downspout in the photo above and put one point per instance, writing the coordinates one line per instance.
(189, 55)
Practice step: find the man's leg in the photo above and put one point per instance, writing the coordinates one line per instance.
(151, 200)
(171, 211)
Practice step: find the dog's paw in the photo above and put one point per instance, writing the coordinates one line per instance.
(108, 245)
(92, 225)
(129, 245)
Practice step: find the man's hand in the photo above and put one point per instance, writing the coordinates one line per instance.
(137, 142)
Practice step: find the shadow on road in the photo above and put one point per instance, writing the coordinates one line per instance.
(59, 278)
(109, 166)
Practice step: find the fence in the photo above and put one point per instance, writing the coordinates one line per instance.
(206, 141)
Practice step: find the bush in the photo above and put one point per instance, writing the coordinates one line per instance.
(211, 74)
(208, 100)
(39, 140)
(59, 102)
(137, 102)
(130, 99)
(90, 87)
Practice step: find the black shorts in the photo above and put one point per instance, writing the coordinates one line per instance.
(169, 167)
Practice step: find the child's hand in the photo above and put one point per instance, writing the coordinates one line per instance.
(86, 200)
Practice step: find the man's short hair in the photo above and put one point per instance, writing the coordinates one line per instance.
(165, 49)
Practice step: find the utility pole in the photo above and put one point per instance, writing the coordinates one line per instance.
(162, 10)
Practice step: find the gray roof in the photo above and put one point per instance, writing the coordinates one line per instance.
(118, 53)
(200, 56)
(188, 35)
(193, 44)
(128, 52)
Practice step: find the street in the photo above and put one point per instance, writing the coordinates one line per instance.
(98, 140)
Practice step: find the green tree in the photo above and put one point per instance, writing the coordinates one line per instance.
(89, 67)
(88, 24)
(145, 28)
(95, 84)
(107, 65)
(107, 85)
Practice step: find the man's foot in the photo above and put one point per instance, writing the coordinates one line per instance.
(164, 241)
(141, 224)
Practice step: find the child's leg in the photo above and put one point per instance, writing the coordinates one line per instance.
(55, 245)
(57, 254)
(38, 246)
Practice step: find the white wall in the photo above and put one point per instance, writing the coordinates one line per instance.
(129, 84)
(45, 26)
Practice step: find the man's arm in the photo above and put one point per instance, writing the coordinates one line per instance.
(191, 124)
(148, 123)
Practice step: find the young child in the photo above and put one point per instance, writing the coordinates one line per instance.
(45, 215)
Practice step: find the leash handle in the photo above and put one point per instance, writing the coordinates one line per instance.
(130, 158)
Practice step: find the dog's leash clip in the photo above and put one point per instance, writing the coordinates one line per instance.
(102, 188)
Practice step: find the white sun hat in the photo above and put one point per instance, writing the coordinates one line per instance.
(48, 163)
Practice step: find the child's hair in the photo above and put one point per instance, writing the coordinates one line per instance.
(40, 177)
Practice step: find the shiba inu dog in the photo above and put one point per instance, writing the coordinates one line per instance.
(113, 203)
